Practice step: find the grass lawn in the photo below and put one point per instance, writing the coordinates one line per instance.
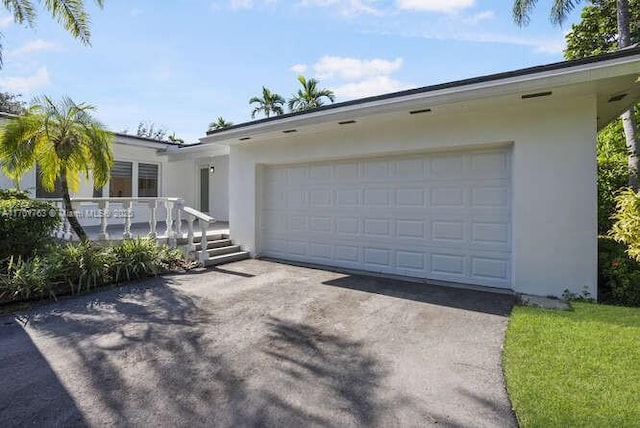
(574, 368)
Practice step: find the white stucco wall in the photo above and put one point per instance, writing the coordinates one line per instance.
(219, 188)
(184, 181)
(554, 177)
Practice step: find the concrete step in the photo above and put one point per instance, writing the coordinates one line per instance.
(211, 236)
(227, 258)
(215, 244)
(223, 250)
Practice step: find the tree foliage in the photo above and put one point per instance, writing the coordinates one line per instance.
(65, 141)
(149, 130)
(560, 9)
(270, 103)
(595, 34)
(309, 96)
(597, 31)
(220, 123)
(11, 103)
(627, 226)
(70, 14)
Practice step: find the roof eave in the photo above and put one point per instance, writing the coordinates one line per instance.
(538, 78)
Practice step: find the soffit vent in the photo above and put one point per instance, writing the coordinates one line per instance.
(426, 110)
(346, 122)
(536, 95)
(244, 138)
(289, 131)
(618, 97)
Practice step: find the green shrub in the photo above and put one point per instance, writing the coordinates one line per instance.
(82, 266)
(137, 258)
(13, 194)
(79, 267)
(26, 279)
(26, 226)
(171, 258)
(626, 228)
(613, 175)
(618, 274)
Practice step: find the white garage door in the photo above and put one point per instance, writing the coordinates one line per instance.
(437, 216)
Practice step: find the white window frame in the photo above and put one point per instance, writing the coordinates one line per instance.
(134, 177)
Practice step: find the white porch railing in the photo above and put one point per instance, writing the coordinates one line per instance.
(120, 212)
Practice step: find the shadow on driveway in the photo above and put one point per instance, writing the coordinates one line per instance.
(30, 392)
(459, 298)
(252, 344)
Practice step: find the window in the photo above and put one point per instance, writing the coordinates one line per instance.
(121, 183)
(41, 192)
(147, 180)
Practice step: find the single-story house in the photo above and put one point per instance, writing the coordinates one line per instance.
(489, 181)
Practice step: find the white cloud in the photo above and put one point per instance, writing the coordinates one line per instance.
(346, 7)
(26, 84)
(369, 87)
(34, 46)
(540, 45)
(478, 17)
(354, 69)
(446, 6)
(6, 21)
(241, 4)
(298, 68)
(356, 77)
(546, 45)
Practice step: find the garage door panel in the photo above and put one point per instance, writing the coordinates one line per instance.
(445, 263)
(496, 196)
(407, 169)
(348, 225)
(451, 196)
(413, 197)
(348, 198)
(377, 197)
(410, 229)
(490, 165)
(377, 170)
(490, 268)
(378, 227)
(443, 216)
(377, 256)
(446, 167)
(347, 171)
(411, 260)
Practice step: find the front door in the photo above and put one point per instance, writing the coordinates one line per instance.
(204, 190)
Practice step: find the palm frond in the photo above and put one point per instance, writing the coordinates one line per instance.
(72, 15)
(22, 11)
(561, 9)
(522, 11)
(18, 145)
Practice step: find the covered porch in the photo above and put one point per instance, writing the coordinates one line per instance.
(168, 220)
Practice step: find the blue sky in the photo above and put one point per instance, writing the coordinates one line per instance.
(182, 63)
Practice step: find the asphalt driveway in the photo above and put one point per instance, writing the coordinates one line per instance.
(257, 343)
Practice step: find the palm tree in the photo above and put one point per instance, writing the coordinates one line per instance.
(71, 14)
(560, 9)
(270, 102)
(309, 96)
(64, 140)
(220, 123)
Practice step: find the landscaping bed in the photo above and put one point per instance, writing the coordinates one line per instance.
(76, 268)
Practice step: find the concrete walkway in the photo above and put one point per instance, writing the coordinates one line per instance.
(258, 343)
